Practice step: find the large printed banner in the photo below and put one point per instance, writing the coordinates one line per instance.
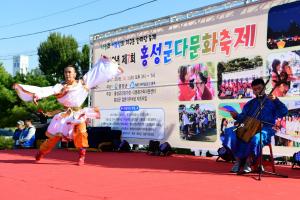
(135, 122)
(180, 78)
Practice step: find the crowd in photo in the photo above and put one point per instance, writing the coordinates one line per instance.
(290, 126)
(282, 71)
(194, 83)
(197, 122)
(236, 88)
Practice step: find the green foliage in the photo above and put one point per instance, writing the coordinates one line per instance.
(12, 115)
(32, 78)
(6, 103)
(55, 54)
(84, 61)
(7, 97)
(48, 104)
(242, 64)
(6, 143)
(5, 77)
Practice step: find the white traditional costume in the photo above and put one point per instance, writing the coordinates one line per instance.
(71, 123)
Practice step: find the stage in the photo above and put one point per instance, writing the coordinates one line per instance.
(134, 176)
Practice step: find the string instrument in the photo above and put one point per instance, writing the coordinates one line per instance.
(251, 125)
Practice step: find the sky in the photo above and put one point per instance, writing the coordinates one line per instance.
(20, 17)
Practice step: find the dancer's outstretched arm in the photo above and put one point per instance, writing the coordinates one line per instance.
(34, 93)
(103, 70)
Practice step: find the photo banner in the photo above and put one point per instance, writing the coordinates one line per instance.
(181, 79)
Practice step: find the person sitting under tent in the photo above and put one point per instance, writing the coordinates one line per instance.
(27, 137)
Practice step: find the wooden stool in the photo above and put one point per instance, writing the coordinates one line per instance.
(270, 162)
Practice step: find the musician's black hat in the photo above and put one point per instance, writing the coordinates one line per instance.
(258, 81)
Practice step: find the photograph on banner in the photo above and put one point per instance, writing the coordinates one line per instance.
(235, 77)
(225, 119)
(197, 122)
(284, 26)
(285, 67)
(196, 82)
(288, 127)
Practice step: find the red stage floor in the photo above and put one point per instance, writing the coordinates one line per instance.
(133, 176)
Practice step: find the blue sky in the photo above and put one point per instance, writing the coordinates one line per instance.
(17, 11)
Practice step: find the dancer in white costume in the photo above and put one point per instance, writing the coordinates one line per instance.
(71, 94)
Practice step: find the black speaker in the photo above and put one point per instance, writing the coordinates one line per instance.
(225, 154)
(153, 148)
(97, 135)
(116, 139)
(165, 149)
(296, 160)
(116, 134)
(124, 146)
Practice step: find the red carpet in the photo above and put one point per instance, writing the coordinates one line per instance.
(134, 176)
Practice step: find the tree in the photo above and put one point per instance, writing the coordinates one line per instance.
(8, 97)
(84, 61)
(32, 78)
(242, 64)
(258, 61)
(5, 77)
(36, 79)
(12, 108)
(55, 54)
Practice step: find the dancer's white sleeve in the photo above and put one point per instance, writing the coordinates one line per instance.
(84, 114)
(26, 92)
(103, 70)
(91, 112)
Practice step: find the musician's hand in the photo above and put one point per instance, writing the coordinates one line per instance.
(272, 97)
(233, 114)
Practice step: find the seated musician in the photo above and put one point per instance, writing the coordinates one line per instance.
(246, 153)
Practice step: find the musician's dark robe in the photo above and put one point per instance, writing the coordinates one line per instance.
(270, 112)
